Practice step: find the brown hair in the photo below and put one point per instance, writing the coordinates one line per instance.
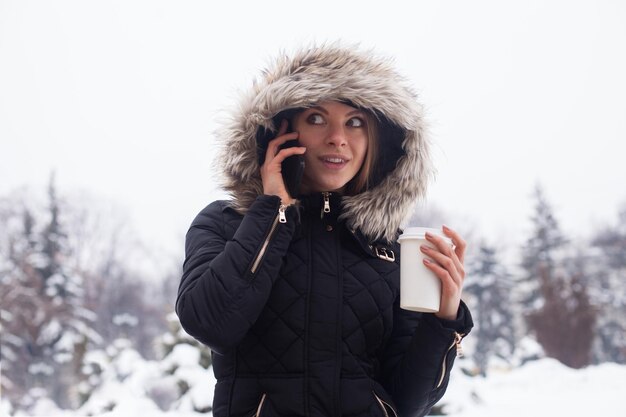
(361, 180)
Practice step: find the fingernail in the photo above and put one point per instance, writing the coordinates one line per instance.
(445, 227)
(424, 248)
(426, 261)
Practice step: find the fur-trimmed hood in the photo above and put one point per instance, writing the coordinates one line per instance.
(335, 72)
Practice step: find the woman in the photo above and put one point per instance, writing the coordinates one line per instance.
(298, 296)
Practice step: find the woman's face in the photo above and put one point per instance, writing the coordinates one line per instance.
(335, 137)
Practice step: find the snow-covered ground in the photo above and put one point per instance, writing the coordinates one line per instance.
(542, 388)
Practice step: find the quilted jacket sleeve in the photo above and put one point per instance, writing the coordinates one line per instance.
(219, 298)
(418, 358)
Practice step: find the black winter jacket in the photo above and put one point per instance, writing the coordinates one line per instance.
(303, 317)
(300, 305)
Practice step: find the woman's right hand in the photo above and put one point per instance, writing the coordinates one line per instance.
(271, 176)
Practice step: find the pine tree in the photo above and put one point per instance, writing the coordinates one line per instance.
(61, 265)
(608, 288)
(25, 311)
(557, 307)
(67, 331)
(47, 325)
(12, 294)
(489, 284)
(542, 253)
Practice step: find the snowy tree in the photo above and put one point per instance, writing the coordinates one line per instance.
(64, 262)
(542, 254)
(12, 295)
(68, 329)
(608, 288)
(45, 324)
(127, 384)
(556, 300)
(489, 284)
(180, 380)
(175, 344)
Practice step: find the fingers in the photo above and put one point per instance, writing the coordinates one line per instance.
(441, 245)
(447, 281)
(444, 266)
(272, 148)
(446, 263)
(281, 138)
(452, 259)
(459, 243)
(285, 153)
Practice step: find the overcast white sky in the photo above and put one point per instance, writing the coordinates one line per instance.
(121, 97)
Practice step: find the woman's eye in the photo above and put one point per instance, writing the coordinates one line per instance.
(315, 119)
(356, 122)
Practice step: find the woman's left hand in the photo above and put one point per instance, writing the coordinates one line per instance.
(448, 266)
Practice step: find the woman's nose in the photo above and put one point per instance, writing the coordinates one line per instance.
(336, 136)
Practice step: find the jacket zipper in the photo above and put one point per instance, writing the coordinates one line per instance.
(260, 407)
(326, 207)
(384, 406)
(280, 217)
(459, 352)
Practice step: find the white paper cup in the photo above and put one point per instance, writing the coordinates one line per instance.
(420, 289)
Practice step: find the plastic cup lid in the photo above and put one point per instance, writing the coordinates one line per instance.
(420, 233)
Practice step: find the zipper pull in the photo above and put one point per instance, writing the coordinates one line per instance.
(459, 352)
(281, 213)
(457, 341)
(326, 208)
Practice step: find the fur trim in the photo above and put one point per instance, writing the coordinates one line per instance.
(333, 72)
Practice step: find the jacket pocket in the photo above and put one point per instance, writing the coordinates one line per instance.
(259, 408)
(388, 410)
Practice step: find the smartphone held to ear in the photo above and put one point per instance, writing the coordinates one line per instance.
(292, 169)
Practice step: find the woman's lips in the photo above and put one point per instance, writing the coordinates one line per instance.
(334, 162)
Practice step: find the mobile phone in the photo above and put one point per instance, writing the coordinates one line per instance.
(292, 167)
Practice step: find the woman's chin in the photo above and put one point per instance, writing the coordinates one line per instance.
(335, 187)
